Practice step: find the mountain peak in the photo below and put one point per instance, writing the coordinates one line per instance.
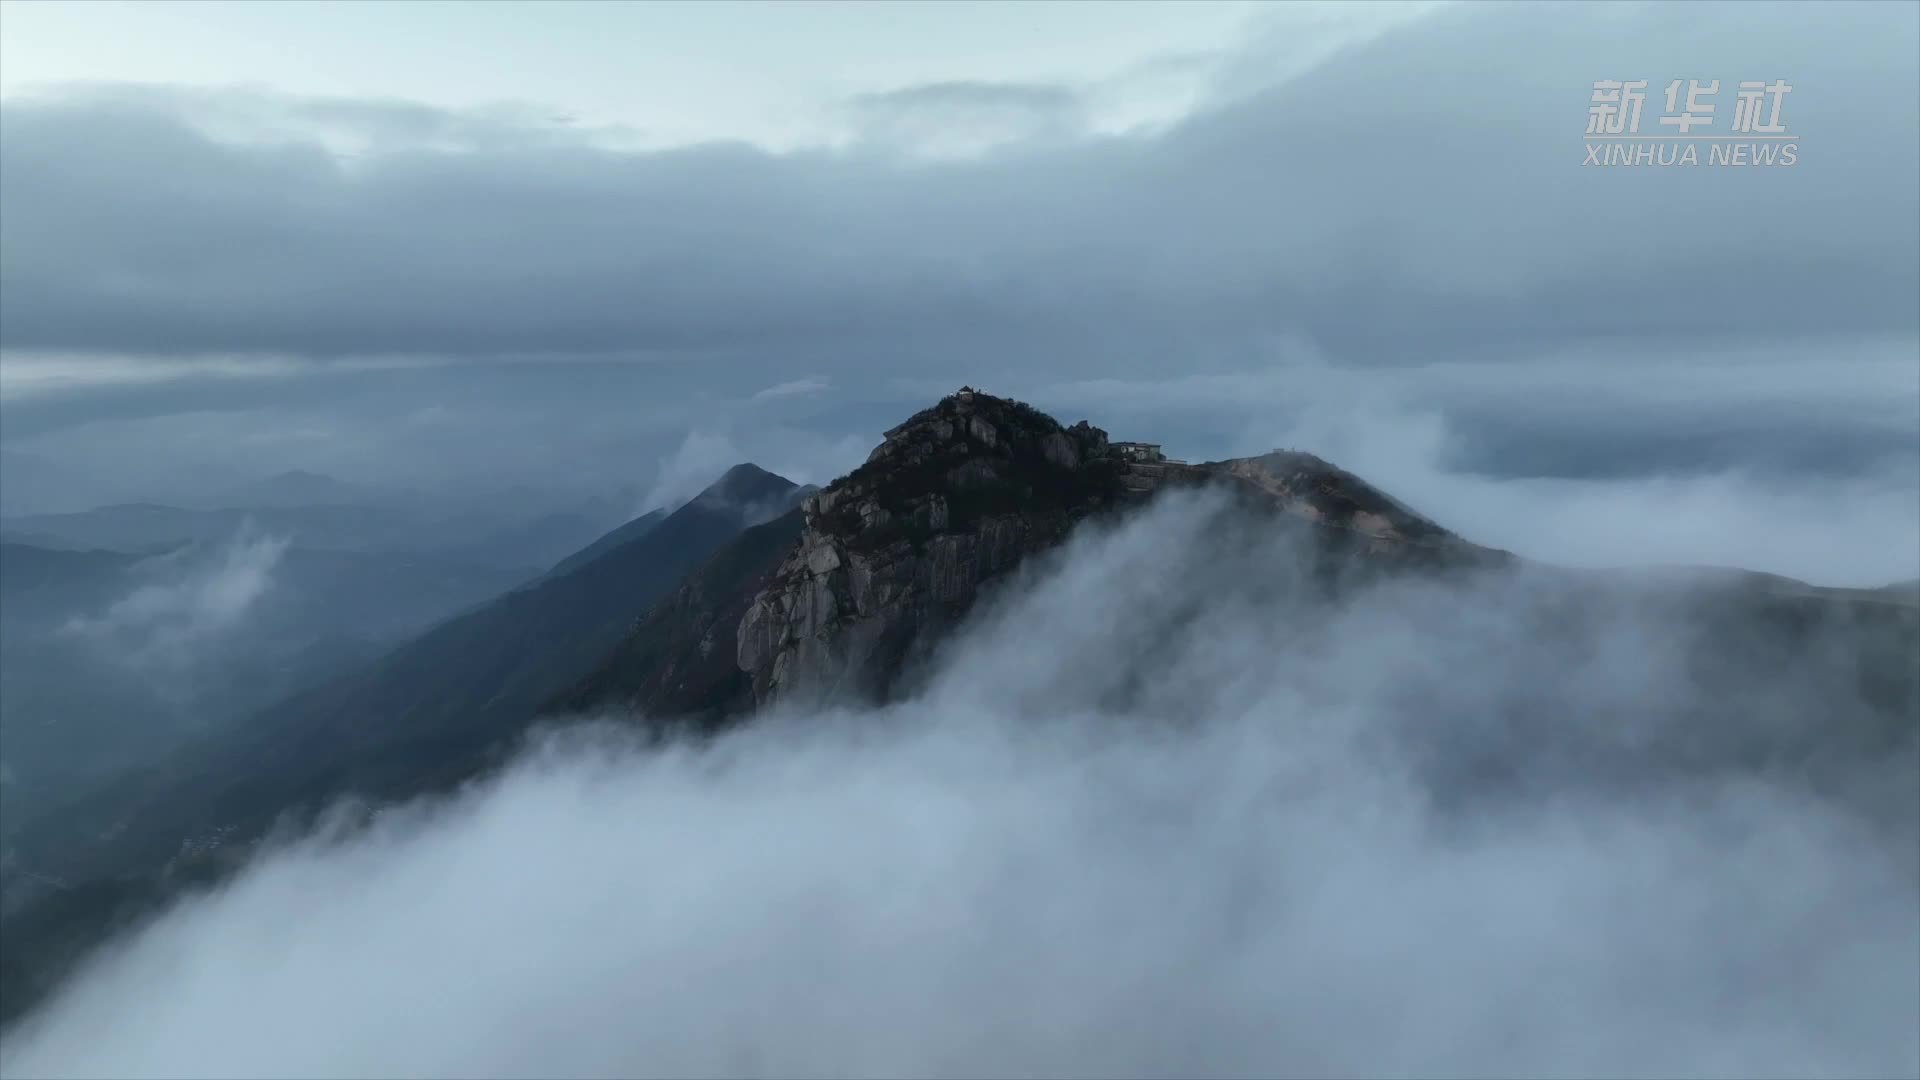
(966, 489)
(746, 484)
(294, 487)
(968, 455)
(844, 598)
(967, 402)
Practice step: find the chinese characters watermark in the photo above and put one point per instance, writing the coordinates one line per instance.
(1755, 133)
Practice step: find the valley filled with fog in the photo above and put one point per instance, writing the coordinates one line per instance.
(128, 632)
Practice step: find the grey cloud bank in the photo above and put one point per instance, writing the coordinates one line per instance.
(1759, 461)
(1136, 825)
(1417, 193)
(1795, 462)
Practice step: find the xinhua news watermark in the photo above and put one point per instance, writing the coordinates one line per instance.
(1755, 134)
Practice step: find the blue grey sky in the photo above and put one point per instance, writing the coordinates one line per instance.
(667, 73)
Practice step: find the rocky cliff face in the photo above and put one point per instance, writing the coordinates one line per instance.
(897, 551)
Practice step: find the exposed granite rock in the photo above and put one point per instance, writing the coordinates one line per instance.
(1318, 491)
(955, 497)
(897, 551)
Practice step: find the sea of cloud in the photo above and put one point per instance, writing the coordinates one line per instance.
(1164, 809)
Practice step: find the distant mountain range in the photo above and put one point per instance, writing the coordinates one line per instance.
(758, 592)
(108, 659)
(435, 711)
(298, 487)
(432, 712)
(527, 534)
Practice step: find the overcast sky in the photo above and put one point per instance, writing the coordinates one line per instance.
(589, 246)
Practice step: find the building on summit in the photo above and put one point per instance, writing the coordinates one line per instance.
(1144, 452)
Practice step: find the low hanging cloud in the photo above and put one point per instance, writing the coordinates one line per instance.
(192, 600)
(812, 384)
(1162, 811)
(803, 457)
(1763, 462)
(1858, 528)
(967, 119)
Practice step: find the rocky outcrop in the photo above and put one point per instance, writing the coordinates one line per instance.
(890, 554)
(894, 553)
(1317, 491)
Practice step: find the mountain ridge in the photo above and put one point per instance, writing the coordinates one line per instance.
(438, 705)
(886, 560)
(420, 719)
(882, 571)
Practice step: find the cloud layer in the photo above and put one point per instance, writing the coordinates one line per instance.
(372, 288)
(1160, 813)
(1419, 191)
(191, 600)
